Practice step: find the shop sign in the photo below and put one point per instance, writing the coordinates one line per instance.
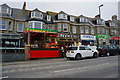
(88, 37)
(39, 30)
(102, 36)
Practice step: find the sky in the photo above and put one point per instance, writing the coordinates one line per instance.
(73, 7)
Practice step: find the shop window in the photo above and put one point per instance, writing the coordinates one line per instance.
(3, 25)
(20, 27)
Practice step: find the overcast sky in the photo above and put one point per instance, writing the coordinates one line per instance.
(74, 7)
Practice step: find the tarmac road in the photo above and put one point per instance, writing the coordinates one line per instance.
(102, 67)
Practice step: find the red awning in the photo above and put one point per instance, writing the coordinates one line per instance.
(114, 38)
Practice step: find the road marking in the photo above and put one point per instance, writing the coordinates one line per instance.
(79, 68)
(3, 77)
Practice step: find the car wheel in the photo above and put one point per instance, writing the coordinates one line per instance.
(95, 55)
(107, 54)
(78, 57)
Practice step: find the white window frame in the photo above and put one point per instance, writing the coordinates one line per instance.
(59, 27)
(74, 29)
(62, 16)
(10, 26)
(107, 32)
(5, 25)
(33, 15)
(48, 17)
(22, 26)
(65, 26)
(33, 24)
(82, 29)
(72, 18)
(92, 31)
(87, 29)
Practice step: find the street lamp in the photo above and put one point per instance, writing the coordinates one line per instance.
(99, 10)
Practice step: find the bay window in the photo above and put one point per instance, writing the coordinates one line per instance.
(74, 29)
(82, 29)
(92, 31)
(101, 30)
(35, 24)
(107, 32)
(65, 27)
(59, 27)
(20, 27)
(3, 25)
(86, 29)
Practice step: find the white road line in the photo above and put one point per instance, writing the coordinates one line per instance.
(3, 77)
(79, 68)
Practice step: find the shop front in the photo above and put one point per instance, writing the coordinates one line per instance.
(114, 40)
(88, 39)
(103, 39)
(42, 43)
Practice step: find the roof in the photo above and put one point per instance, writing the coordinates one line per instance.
(17, 14)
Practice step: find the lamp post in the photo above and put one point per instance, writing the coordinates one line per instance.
(100, 10)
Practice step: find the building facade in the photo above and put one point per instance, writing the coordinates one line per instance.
(71, 30)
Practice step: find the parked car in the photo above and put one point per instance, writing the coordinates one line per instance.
(79, 52)
(108, 50)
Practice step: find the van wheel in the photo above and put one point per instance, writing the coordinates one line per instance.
(78, 57)
(95, 55)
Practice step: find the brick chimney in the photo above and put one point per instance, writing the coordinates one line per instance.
(24, 6)
(114, 17)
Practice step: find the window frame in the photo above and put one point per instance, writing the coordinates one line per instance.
(33, 14)
(22, 26)
(67, 27)
(62, 16)
(4, 25)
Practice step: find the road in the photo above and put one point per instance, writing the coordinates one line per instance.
(102, 67)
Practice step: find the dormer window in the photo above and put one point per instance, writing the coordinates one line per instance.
(48, 18)
(72, 18)
(62, 16)
(83, 19)
(111, 24)
(99, 21)
(36, 14)
(4, 9)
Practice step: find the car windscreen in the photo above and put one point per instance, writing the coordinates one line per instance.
(72, 48)
(102, 47)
